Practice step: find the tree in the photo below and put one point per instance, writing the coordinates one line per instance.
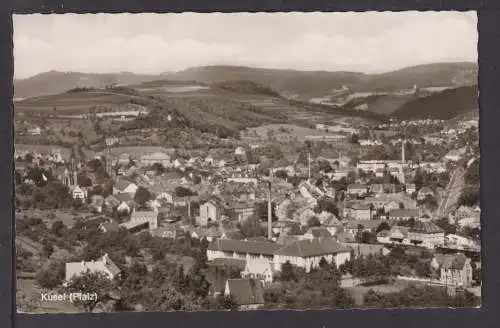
(142, 196)
(287, 272)
(383, 227)
(225, 302)
(354, 138)
(96, 284)
(313, 222)
(251, 227)
(51, 276)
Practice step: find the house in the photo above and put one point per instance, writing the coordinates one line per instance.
(243, 210)
(248, 293)
(111, 202)
(104, 265)
(426, 234)
(134, 226)
(97, 202)
(109, 227)
(239, 151)
(404, 214)
(180, 163)
(454, 269)
(36, 131)
(424, 192)
(423, 234)
(150, 217)
(307, 254)
(317, 232)
(410, 188)
(124, 186)
(208, 234)
(358, 211)
(359, 249)
(357, 189)
(356, 226)
(210, 211)
(166, 196)
(160, 158)
(78, 193)
(260, 269)
(241, 249)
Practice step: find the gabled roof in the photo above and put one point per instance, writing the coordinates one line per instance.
(426, 227)
(318, 232)
(404, 213)
(357, 186)
(246, 291)
(240, 246)
(451, 261)
(314, 247)
(121, 184)
(123, 197)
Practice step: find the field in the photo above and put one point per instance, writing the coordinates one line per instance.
(286, 129)
(359, 292)
(138, 151)
(72, 103)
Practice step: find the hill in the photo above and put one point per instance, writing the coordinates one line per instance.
(304, 84)
(443, 105)
(55, 82)
(309, 84)
(429, 75)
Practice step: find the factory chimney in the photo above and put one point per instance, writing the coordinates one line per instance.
(269, 213)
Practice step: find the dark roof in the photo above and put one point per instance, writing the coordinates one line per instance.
(287, 240)
(241, 246)
(368, 224)
(246, 291)
(123, 197)
(122, 184)
(239, 263)
(358, 206)
(451, 261)
(426, 227)
(314, 247)
(357, 186)
(318, 232)
(405, 213)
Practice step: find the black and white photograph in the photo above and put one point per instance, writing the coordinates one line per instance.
(246, 161)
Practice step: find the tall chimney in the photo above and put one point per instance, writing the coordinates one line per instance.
(75, 177)
(403, 151)
(309, 165)
(269, 213)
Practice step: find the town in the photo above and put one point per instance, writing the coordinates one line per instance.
(361, 215)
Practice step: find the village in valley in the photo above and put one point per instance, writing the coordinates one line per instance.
(240, 188)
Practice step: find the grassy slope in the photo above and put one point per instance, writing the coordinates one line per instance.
(443, 105)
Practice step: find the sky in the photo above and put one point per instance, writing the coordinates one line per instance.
(371, 42)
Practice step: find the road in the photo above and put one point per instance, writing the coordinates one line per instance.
(452, 192)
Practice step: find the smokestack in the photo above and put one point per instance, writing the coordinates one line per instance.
(309, 165)
(403, 151)
(269, 213)
(75, 178)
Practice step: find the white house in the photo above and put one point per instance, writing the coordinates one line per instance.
(260, 269)
(78, 193)
(210, 211)
(454, 269)
(307, 254)
(104, 265)
(239, 151)
(151, 217)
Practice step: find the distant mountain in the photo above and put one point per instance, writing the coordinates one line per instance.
(443, 105)
(55, 82)
(302, 84)
(308, 84)
(423, 76)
